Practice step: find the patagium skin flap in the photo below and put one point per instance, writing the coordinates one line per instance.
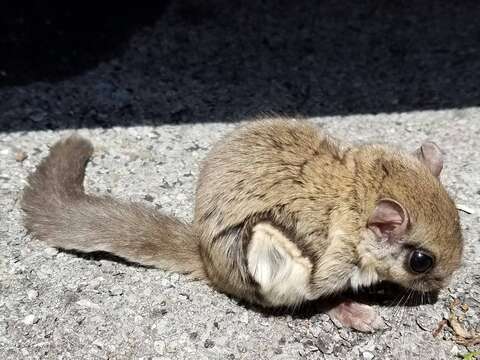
(284, 214)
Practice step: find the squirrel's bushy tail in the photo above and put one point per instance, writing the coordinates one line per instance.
(58, 211)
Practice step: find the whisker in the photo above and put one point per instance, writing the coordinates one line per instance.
(396, 312)
(404, 312)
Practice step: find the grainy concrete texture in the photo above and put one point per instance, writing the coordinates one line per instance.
(154, 106)
(58, 305)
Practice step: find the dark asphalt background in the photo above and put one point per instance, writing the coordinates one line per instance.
(95, 64)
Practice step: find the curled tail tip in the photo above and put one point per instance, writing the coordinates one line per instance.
(73, 149)
(75, 144)
(68, 155)
(58, 176)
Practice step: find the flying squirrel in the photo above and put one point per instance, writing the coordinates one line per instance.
(284, 214)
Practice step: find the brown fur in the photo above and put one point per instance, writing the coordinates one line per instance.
(318, 192)
(321, 193)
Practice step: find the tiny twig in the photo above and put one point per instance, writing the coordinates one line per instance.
(441, 324)
(465, 209)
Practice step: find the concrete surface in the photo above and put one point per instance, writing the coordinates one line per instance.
(58, 305)
(154, 105)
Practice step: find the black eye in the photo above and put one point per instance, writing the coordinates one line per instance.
(420, 261)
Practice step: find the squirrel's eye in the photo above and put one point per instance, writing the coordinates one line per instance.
(420, 261)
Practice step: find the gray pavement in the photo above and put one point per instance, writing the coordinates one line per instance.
(56, 305)
(153, 107)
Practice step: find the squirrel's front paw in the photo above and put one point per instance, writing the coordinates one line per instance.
(357, 316)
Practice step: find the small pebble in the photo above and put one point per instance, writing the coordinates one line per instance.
(20, 156)
(149, 198)
(162, 327)
(242, 348)
(335, 322)
(87, 304)
(324, 344)
(116, 291)
(172, 347)
(51, 251)
(160, 347)
(30, 319)
(208, 344)
(328, 326)
(244, 318)
(166, 283)
(454, 350)
(367, 355)
(426, 322)
(32, 294)
(95, 283)
(310, 346)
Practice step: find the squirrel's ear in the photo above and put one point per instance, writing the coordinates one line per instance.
(430, 154)
(389, 220)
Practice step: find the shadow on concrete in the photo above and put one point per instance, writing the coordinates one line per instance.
(71, 66)
(384, 294)
(53, 40)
